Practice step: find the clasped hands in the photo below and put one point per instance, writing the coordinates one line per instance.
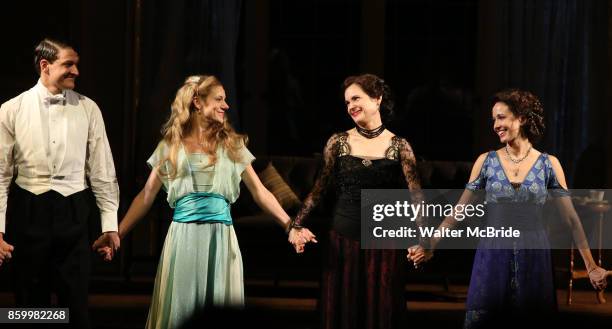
(419, 255)
(6, 250)
(299, 237)
(107, 245)
(598, 277)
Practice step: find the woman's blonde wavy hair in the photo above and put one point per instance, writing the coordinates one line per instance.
(183, 120)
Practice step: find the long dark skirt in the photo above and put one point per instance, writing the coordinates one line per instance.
(362, 288)
(511, 289)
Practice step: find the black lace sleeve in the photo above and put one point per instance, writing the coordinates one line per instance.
(409, 167)
(411, 175)
(323, 181)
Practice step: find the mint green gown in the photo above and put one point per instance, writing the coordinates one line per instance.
(201, 264)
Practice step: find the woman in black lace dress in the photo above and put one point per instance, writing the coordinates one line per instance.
(362, 288)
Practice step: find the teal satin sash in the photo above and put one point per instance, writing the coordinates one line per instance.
(202, 207)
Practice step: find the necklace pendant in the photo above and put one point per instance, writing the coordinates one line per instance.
(366, 162)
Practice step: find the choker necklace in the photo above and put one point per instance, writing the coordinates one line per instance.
(370, 133)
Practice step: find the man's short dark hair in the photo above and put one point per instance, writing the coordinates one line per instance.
(48, 49)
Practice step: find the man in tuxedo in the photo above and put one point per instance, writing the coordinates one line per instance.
(55, 140)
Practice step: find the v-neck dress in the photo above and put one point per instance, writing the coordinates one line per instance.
(512, 280)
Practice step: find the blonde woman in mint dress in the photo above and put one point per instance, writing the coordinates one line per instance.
(200, 163)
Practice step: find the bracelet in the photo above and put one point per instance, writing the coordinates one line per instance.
(291, 226)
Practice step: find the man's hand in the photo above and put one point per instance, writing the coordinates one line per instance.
(107, 245)
(5, 250)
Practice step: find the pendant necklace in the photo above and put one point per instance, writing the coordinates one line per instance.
(517, 161)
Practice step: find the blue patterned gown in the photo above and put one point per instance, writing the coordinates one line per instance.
(513, 279)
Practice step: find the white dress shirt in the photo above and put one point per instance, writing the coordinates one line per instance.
(55, 142)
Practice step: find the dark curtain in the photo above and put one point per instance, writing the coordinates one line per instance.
(171, 40)
(558, 50)
(182, 38)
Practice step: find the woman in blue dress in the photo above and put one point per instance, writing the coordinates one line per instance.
(512, 280)
(200, 163)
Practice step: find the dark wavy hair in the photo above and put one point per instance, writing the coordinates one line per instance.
(48, 49)
(527, 105)
(374, 87)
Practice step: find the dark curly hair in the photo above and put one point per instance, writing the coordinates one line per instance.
(527, 105)
(374, 87)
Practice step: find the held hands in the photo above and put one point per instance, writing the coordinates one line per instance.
(107, 245)
(5, 251)
(598, 277)
(419, 255)
(298, 237)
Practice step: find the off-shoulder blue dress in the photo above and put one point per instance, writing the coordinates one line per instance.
(513, 279)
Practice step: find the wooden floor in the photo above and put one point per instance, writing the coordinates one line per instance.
(432, 307)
